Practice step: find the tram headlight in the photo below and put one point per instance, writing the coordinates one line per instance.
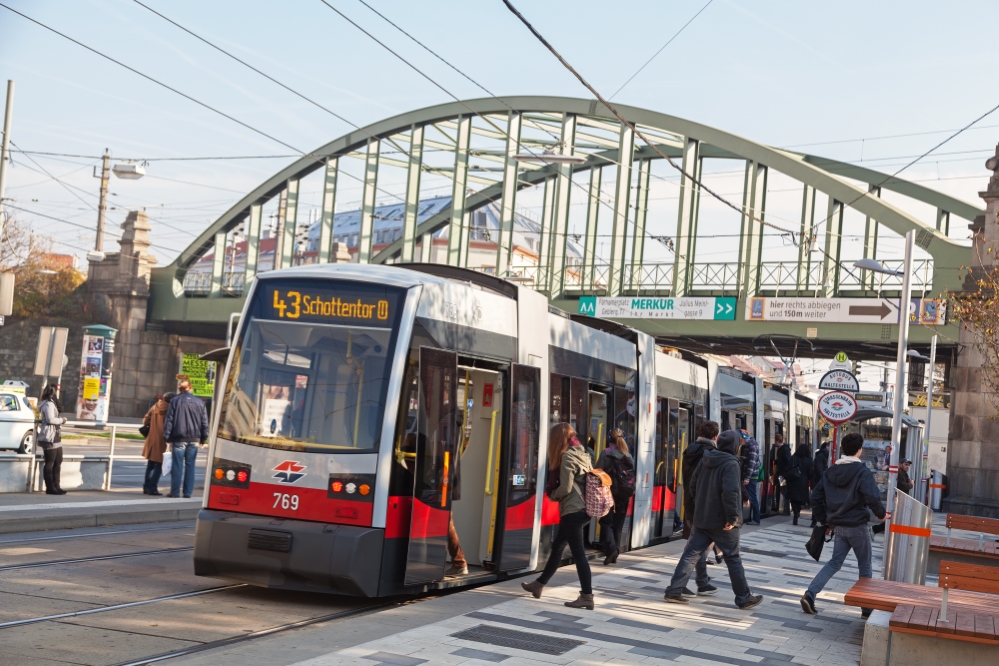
(230, 475)
(351, 488)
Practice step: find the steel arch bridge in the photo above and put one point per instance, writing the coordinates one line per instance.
(473, 147)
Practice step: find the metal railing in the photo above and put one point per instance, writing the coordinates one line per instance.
(86, 426)
(716, 276)
(200, 284)
(648, 277)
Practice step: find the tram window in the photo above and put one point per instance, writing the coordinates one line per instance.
(308, 386)
(624, 414)
(524, 433)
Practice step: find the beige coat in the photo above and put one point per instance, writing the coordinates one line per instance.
(155, 444)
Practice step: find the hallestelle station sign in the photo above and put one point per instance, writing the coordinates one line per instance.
(837, 407)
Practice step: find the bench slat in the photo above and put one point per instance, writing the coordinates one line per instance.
(978, 571)
(984, 626)
(946, 627)
(900, 618)
(964, 624)
(920, 618)
(973, 523)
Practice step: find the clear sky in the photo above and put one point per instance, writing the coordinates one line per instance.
(829, 78)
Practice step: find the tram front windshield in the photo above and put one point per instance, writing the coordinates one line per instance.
(311, 367)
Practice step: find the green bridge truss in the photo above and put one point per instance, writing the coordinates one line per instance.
(474, 144)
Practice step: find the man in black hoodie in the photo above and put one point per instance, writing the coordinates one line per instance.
(707, 433)
(719, 497)
(840, 501)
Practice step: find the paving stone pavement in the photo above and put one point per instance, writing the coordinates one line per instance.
(632, 624)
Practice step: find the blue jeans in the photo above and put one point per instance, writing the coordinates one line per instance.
(754, 501)
(857, 539)
(695, 552)
(153, 472)
(185, 455)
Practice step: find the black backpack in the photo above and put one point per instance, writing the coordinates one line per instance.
(622, 473)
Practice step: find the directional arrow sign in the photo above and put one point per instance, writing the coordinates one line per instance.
(881, 310)
(626, 307)
(822, 310)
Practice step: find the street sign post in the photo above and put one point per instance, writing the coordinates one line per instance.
(837, 407)
(50, 353)
(706, 307)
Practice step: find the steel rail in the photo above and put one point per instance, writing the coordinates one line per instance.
(211, 645)
(102, 609)
(93, 559)
(93, 534)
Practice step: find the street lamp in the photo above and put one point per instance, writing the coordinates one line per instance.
(900, 392)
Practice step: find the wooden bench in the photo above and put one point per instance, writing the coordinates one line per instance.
(965, 550)
(979, 625)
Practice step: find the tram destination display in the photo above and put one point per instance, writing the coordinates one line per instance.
(328, 303)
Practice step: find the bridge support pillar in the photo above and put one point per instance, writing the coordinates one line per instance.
(754, 199)
(805, 238)
(590, 241)
(870, 242)
(367, 225)
(560, 214)
(622, 204)
(252, 244)
(504, 251)
(457, 239)
(329, 208)
(686, 226)
(411, 216)
(634, 280)
(834, 242)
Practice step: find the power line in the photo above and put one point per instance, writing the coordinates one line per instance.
(661, 48)
(64, 185)
(161, 159)
(77, 224)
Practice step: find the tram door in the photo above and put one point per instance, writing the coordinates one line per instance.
(661, 475)
(436, 435)
(518, 473)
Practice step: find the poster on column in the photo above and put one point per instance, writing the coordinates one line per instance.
(96, 362)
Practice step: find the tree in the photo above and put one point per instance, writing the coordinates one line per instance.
(44, 285)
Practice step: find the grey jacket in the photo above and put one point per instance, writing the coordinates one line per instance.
(572, 481)
(49, 428)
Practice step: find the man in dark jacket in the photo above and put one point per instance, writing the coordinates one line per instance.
(904, 483)
(782, 463)
(707, 433)
(841, 501)
(186, 428)
(719, 495)
(819, 468)
(750, 473)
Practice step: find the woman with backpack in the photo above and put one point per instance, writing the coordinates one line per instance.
(569, 463)
(797, 475)
(50, 439)
(619, 465)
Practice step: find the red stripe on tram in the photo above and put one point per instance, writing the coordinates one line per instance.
(521, 516)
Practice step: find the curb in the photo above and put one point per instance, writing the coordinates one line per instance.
(44, 519)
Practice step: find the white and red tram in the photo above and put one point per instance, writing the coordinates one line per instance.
(369, 410)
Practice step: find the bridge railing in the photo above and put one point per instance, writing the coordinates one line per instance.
(200, 284)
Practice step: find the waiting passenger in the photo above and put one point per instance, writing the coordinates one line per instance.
(707, 434)
(567, 455)
(840, 502)
(782, 464)
(797, 479)
(459, 567)
(619, 465)
(719, 499)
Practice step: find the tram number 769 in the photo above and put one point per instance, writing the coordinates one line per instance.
(285, 501)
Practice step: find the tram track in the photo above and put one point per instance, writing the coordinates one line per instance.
(96, 558)
(94, 534)
(225, 642)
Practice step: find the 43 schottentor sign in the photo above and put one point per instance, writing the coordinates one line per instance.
(837, 407)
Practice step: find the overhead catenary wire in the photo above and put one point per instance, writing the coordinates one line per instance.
(661, 49)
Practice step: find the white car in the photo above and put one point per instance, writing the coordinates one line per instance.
(17, 423)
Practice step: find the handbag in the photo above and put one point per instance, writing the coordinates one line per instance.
(167, 462)
(817, 540)
(144, 430)
(552, 481)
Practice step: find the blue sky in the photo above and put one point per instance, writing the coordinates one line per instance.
(779, 72)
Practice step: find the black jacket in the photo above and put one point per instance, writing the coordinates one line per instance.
(844, 495)
(186, 419)
(691, 456)
(782, 459)
(904, 484)
(717, 488)
(821, 464)
(797, 489)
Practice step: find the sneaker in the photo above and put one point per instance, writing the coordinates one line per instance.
(172, 495)
(675, 598)
(455, 570)
(754, 522)
(808, 604)
(707, 590)
(754, 600)
(687, 593)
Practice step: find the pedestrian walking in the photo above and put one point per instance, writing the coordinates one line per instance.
(707, 434)
(798, 474)
(750, 472)
(569, 457)
(155, 445)
(782, 463)
(718, 500)
(186, 428)
(841, 502)
(620, 466)
(50, 439)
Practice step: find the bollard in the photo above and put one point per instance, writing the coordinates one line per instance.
(907, 543)
(107, 482)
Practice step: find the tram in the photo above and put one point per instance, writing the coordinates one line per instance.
(374, 417)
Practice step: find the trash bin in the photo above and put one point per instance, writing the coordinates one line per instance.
(936, 493)
(907, 544)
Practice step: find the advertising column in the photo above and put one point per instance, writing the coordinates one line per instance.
(96, 363)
